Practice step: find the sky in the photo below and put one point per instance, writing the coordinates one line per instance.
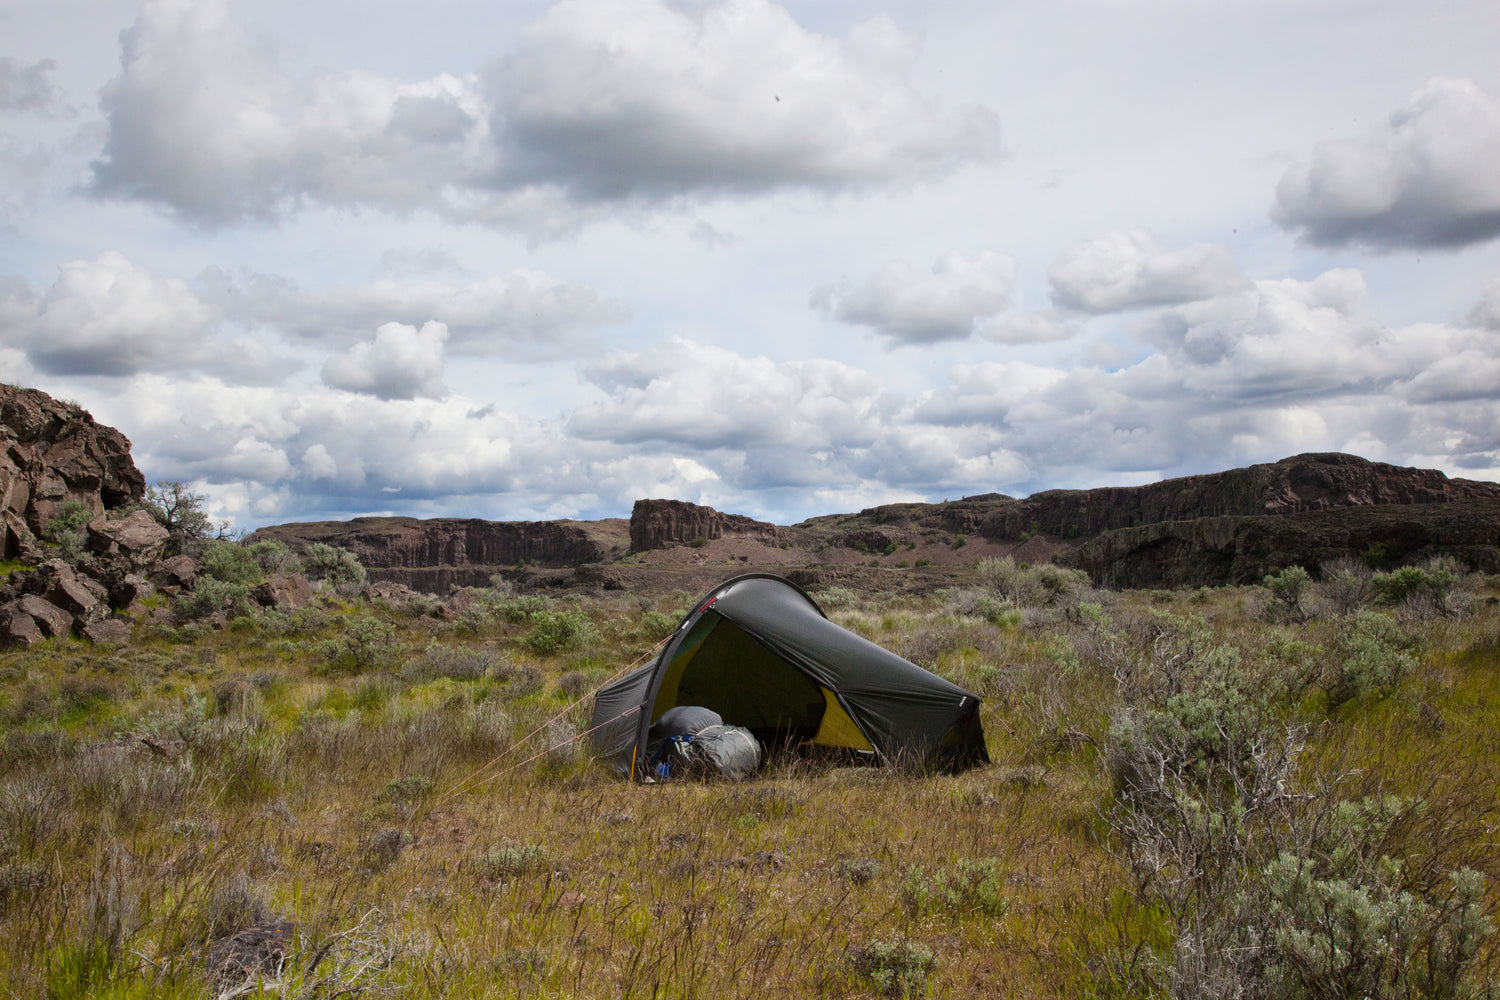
(538, 260)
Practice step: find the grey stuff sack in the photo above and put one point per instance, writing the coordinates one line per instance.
(728, 750)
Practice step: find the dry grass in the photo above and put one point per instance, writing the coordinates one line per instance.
(157, 800)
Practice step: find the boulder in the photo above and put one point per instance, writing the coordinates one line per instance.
(108, 631)
(65, 587)
(178, 571)
(393, 593)
(51, 619)
(18, 540)
(130, 590)
(138, 537)
(18, 629)
(283, 592)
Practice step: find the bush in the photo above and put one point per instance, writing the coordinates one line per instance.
(66, 530)
(897, 968)
(366, 642)
(832, 598)
(968, 887)
(276, 557)
(1369, 659)
(1400, 584)
(1289, 592)
(560, 632)
(339, 567)
(230, 562)
(1346, 585)
(513, 861)
(211, 595)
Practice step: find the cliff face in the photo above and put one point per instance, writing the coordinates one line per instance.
(411, 544)
(656, 523)
(1294, 485)
(51, 454)
(1218, 550)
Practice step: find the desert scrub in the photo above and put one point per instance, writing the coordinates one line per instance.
(555, 632)
(1369, 656)
(896, 968)
(339, 568)
(966, 887)
(366, 641)
(1289, 596)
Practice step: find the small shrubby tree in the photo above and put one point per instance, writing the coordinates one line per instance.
(178, 508)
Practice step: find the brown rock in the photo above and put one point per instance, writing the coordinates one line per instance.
(138, 537)
(283, 592)
(52, 620)
(53, 453)
(19, 629)
(656, 523)
(393, 593)
(18, 541)
(131, 590)
(178, 571)
(108, 631)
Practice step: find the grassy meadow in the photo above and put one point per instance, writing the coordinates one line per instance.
(1282, 791)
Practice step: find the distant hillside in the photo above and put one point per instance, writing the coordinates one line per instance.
(1225, 527)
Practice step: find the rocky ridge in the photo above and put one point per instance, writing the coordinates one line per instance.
(1223, 527)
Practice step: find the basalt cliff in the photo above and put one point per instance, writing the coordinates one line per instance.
(1225, 527)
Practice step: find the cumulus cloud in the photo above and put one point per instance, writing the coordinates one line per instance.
(27, 88)
(1130, 270)
(110, 317)
(615, 99)
(762, 425)
(523, 315)
(599, 102)
(1283, 367)
(910, 308)
(1426, 179)
(402, 362)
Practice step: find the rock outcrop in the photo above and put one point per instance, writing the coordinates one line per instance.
(1229, 549)
(411, 543)
(51, 454)
(1295, 485)
(655, 524)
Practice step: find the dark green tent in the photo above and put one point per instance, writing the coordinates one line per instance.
(760, 652)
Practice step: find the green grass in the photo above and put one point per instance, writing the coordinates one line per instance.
(153, 793)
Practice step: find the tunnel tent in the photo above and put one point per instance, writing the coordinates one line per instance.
(759, 652)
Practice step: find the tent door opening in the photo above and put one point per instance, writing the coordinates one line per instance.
(722, 667)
